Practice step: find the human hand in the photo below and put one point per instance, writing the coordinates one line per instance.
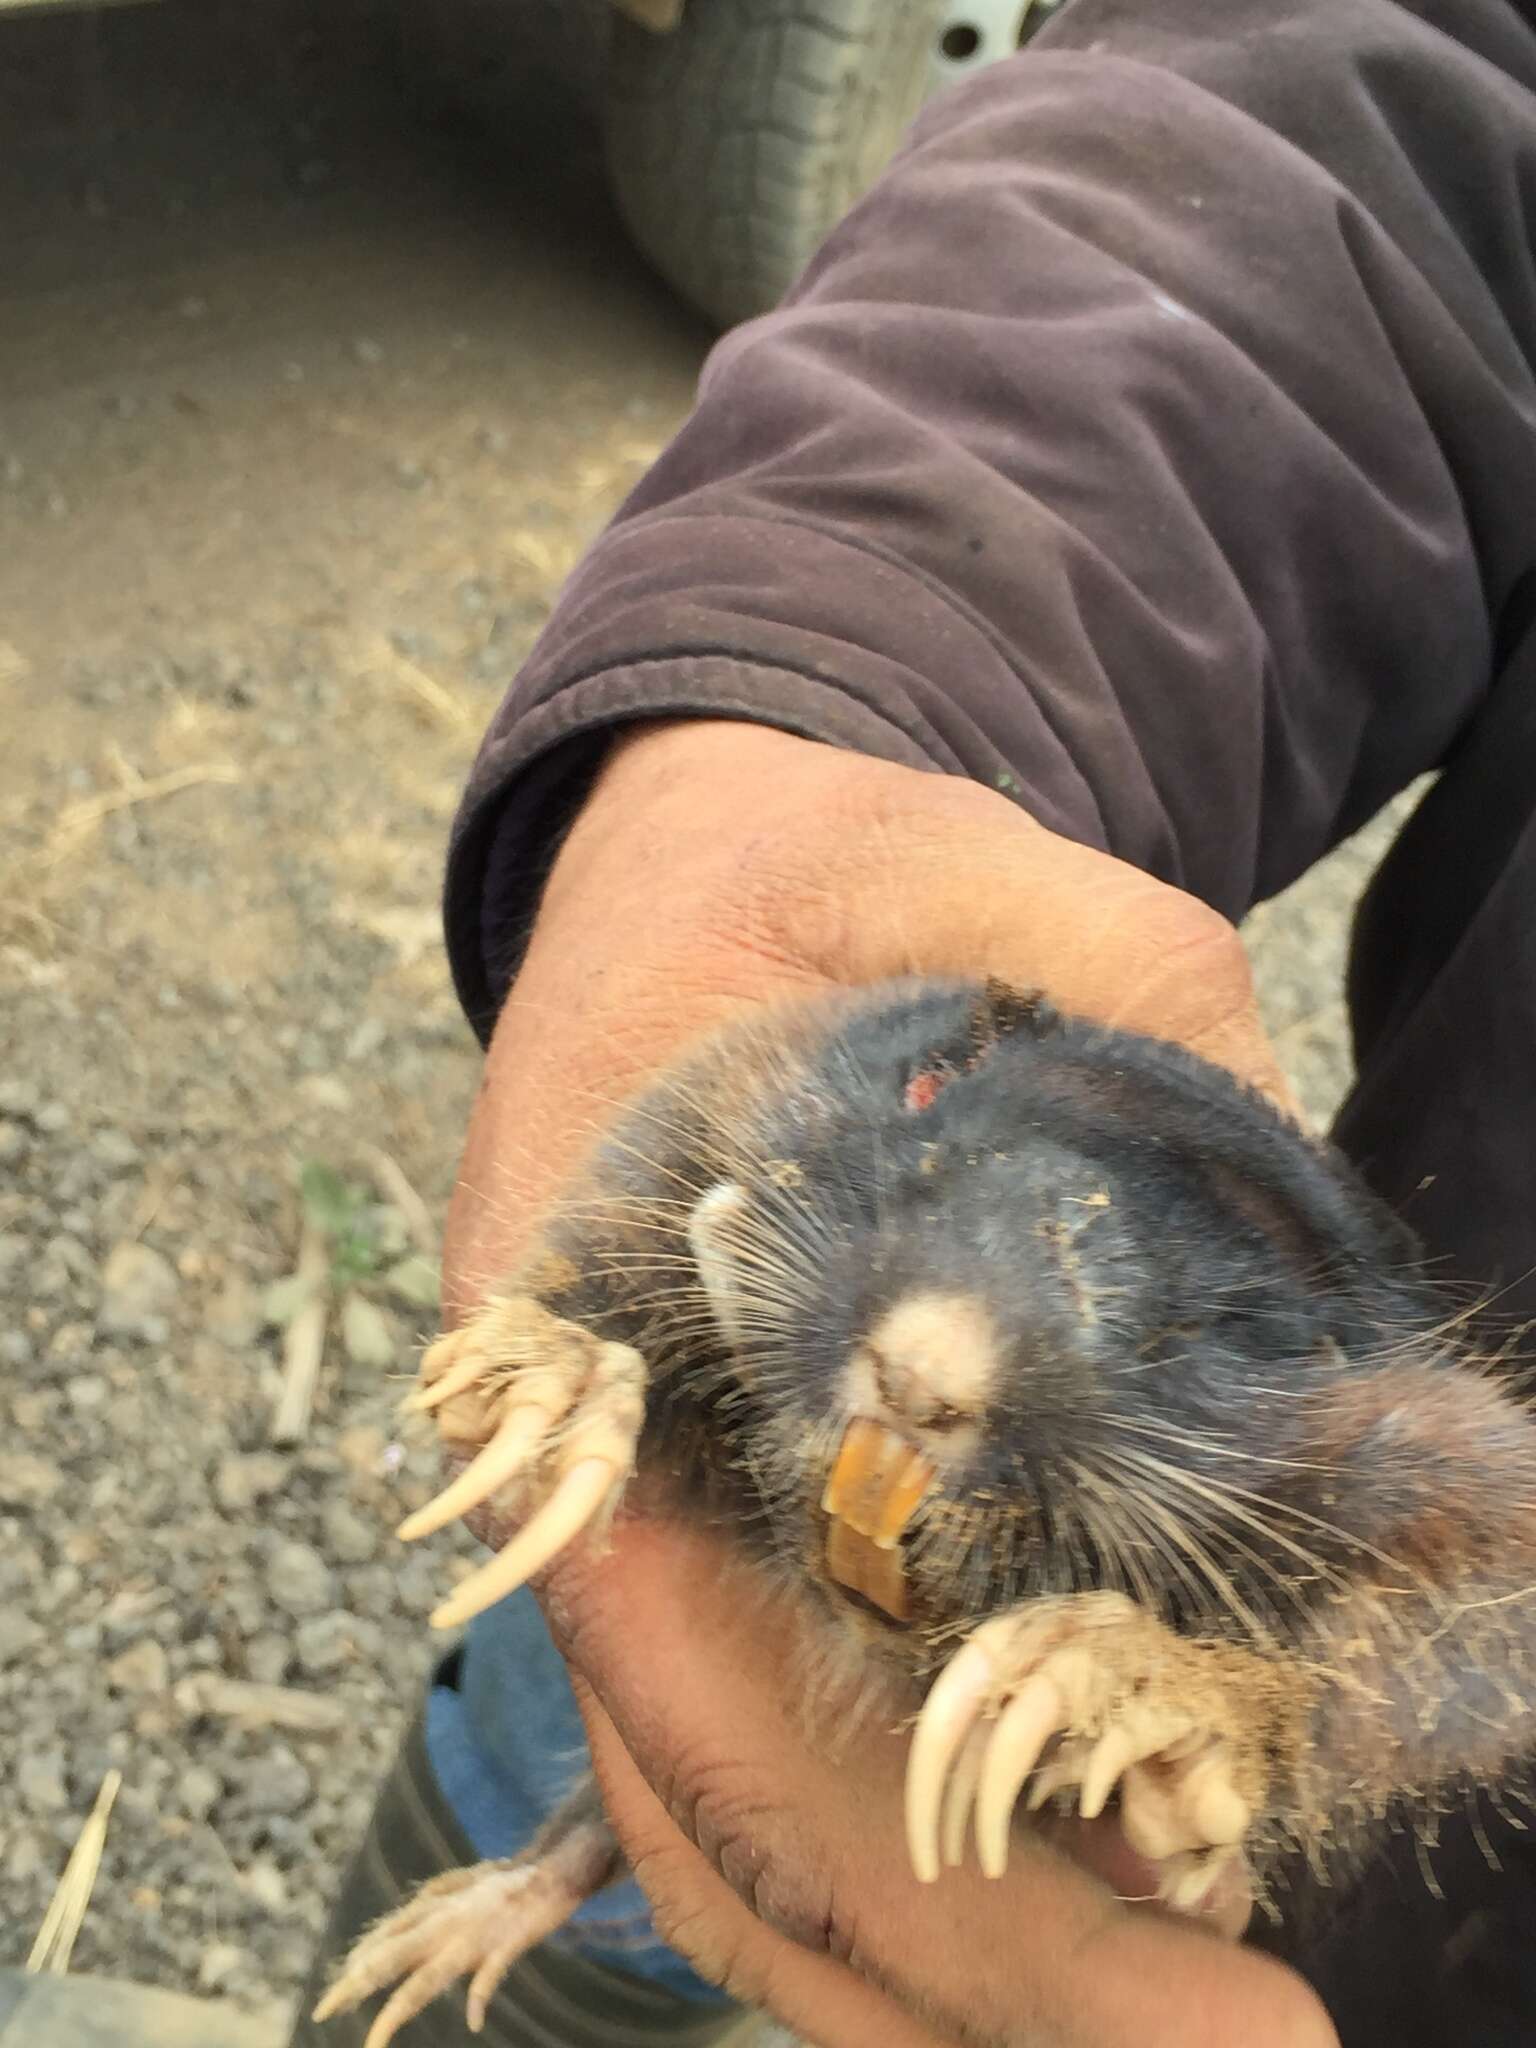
(717, 868)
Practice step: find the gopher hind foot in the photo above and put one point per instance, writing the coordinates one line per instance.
(476, 1921)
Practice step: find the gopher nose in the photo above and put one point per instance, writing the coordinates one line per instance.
(928, 1367)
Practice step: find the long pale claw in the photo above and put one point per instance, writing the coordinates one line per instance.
(1058, 1772)
(1111, 1753)
(1023, 1728)
(482, 1986)
(576, 1499)
(539, 1918)
(948, 1713)
(413, 1996)
(961, 1794)
(456, 1378)
(1086, 1695)
(508, 1451)
(378, 1959)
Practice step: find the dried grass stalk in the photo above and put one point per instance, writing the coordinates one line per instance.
(55, 1942)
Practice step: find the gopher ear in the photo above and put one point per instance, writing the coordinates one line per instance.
(709, 1239)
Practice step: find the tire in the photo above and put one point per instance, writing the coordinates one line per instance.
(738, 141)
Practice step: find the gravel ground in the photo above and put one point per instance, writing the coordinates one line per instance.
(323, 359)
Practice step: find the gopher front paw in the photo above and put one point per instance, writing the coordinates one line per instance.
(554, 1414)
(1128, 1705)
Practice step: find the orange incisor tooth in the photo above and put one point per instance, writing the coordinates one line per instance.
(876, 1482)
(872, 1492)
(854, 1562)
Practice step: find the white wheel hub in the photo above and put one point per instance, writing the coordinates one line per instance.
(974, 33)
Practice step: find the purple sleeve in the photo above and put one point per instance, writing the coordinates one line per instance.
(1156, 443)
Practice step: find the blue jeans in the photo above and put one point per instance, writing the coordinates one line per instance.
(506, 1742)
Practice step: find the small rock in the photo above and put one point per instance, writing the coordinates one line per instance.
(27, 1482)
(15, 1348)
(348, 1535)
(86, 1392)
(19, 1636)
(53, 1117)
(26, 1858)
(116, 1150)
(70, 1256)
(199, 1791)
(326, 1641)
(362, 1449)
(70, 1341)
(21, 1563)
(40, 1782)
(326, 1091)
(143, 1667)
(299, 1580)
(243, 1604)
(13, 1142)
(368, 1333)
(240, 1482)
(138, 1288)
(418, 1585)
(277, 1783)
(267, 1885)
(366, 1040)
(235, 1316)
(372, 1590)
(220, 1961)
(267, 1658)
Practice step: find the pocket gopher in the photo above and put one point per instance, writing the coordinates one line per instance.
(1083, 1397)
